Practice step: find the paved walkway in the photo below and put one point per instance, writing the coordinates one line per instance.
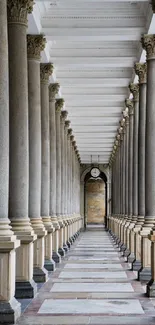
(93, 285)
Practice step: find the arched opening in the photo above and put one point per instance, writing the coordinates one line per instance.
(95, 199)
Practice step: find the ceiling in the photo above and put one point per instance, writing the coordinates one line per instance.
(93, 45)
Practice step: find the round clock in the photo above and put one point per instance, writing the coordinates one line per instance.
(95, 172)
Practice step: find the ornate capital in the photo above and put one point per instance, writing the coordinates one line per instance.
(18, 10)
(53, 90)
(67, 124)
(141, 71)
(126, 116)
(129, 104)
(46, 69)
(134, 89)
(64, 114)
(74, 144)
(35, 44)
(69, 132)
(148, 44)
(59, 104)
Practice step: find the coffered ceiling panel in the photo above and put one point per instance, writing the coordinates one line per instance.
(93, 46)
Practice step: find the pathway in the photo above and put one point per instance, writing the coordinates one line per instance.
(92, 285)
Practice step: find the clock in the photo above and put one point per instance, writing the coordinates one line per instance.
(95, 172)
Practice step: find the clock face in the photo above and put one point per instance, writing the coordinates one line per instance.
(95, 172)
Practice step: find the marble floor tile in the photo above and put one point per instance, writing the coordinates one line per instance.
(93, 306)
(92, 287)
(93, 275)
(93, 266)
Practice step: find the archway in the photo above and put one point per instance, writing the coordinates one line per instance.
(98, 207)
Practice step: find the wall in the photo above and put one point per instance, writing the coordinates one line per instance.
(95, 201)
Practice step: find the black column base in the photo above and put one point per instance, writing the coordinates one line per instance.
(144, 274)
(131, 258)
(25, 289)
(56, 257)
(10, 311)
(122, 247)
(71, 240)
(150, 288)
(136, 265)
(40, 274)
(61, 251)
(65, 247)
(49, 265)
(126, 252)
(68, 243)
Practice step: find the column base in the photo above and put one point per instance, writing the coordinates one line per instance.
(40, 274)
(65, 247)
(150, 288)
(61, 251)
(49, 265)
(131, 258)
(136, 265)
(144, 274)
(126, 252)
(71, 240)
(25, 289)
(68, 243)
(122, 247)
(10, 311)
(56, 257)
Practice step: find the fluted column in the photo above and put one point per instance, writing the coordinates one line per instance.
(141, 71)
(59, 104)
(53, 90)
(148, 43)
(19, 146)
(35, 44)
(64, 177)
(8, 241)
(46, 70)
(129, 104)
(134, 89)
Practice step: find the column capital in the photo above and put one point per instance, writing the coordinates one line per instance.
(64, 115)
(67, 124)
(72, 138)
(141, 71)
(126, 116)
(46, 69)
(69, 132)
(18, 10)
(59, 104)
(129, 104)
(148, 44)
(53, 90)
(134, 89)
(74, 144)
(35, 44)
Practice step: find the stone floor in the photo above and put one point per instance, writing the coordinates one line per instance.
(92, 285)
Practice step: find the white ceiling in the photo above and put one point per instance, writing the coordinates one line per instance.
(93, 45)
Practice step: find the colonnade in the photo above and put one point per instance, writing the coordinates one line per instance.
(39, 164)
(133, 173)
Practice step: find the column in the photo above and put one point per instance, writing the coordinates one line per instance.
(129, 104)
(126, 153)
(64, 178)
(53, 90)
(58, 106)
(46, 70)
(35, 44)
(19, 146)
(9, 306)
(134, 89)
(141, 71)
(69, 184)
(148, 43)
